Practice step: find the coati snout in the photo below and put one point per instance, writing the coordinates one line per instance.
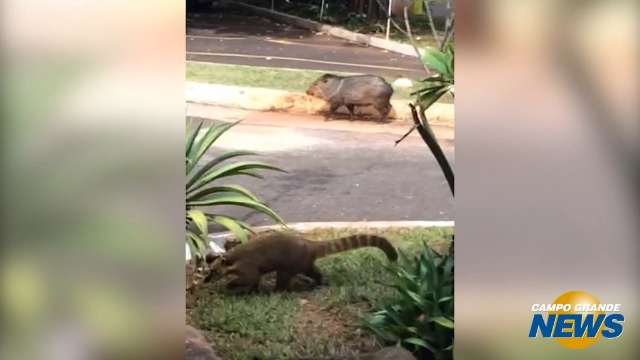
(287, 254)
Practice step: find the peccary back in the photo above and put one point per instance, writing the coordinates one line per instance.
(352, 91)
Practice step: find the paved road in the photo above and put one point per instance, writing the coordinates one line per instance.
(231, 37)
(338, 175)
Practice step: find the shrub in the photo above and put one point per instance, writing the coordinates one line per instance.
(203, 188)
(420, 318)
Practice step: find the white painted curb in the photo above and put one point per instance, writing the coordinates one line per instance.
(338, 32)
(217, 239)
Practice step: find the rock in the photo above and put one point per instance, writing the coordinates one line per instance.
(197, 347)
(402, 83)
(389, 353)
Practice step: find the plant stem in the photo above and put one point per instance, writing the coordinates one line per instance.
(424, 129)
(405, 135)
(411, 39)
(431, 24)
(393, 22)
(448, 33)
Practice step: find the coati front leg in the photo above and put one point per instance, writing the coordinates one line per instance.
(238, 287)
(244, 281)
(282, 280)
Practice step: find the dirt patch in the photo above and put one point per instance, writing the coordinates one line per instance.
(318, 323)
(262, 99)
(304, 104)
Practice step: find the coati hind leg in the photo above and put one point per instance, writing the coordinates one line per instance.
(315, 274)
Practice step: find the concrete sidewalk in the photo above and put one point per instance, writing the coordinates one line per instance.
(260, 99)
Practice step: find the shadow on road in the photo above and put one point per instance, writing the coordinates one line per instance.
(230, 21)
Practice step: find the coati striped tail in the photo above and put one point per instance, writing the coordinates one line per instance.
(353, 242)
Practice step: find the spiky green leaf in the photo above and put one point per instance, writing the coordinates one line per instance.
(231, 170)
(191, 139)
(237, 200)
(220, 189)
(202, 145)
(215, 161)
(233, 225)
(420, 343)
(200, 220)
(443, 321)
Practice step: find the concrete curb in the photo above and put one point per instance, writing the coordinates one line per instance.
(338, 32)
(218, 239)
(364, 225)
(260, 99)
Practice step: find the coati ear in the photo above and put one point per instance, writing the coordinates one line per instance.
(210, 257)
(220, 260)
(230, 244)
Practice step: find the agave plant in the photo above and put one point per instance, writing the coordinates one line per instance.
(435, 86)
(421, 317)
(203, 188)
(441, 63)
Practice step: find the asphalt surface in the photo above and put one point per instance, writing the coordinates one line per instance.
(337, 175)
(229, 36)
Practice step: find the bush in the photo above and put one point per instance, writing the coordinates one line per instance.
(421, 317)
(203, 190)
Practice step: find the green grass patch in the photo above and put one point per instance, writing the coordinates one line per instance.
(270, 78)
(322, 322)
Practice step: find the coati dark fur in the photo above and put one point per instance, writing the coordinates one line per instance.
(287, 254)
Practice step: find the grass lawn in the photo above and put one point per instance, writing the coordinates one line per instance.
(264, 77)
(322, 322)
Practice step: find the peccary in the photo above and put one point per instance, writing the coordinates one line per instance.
(352, 91)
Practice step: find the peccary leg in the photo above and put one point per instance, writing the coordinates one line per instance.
(384, 111)
(351, 108)
(332, 110)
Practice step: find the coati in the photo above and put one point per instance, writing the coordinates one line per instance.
(286, 253)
